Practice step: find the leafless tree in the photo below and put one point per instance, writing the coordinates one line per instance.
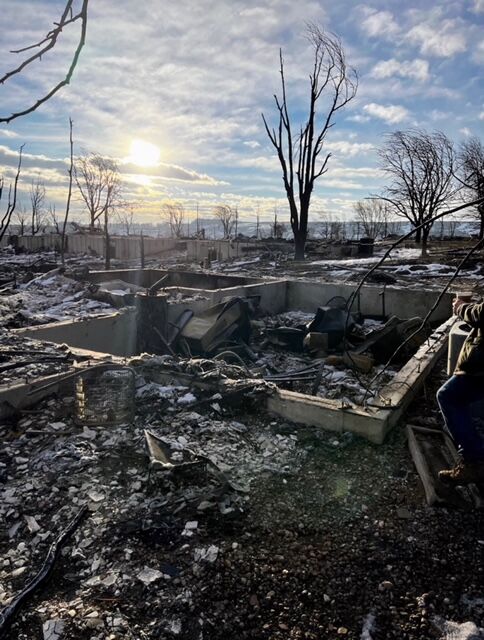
(337, 230)
(21, 217)
(420, 166)
(447, 228)
(37, 199)
(332, 84)
(126, 217)
(53, 218)
(174, 214)
(12, 197)
(225, 214)
(70, 173)
(373, 215)
(41, 48)
(99, 183)
(325, 226)
(471, 175)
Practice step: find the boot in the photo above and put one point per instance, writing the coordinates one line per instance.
(463, 473)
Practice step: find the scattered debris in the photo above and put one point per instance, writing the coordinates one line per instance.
(8, 613)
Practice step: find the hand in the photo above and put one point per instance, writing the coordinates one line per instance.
(457, 302)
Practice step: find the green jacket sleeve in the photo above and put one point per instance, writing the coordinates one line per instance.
(472, 313)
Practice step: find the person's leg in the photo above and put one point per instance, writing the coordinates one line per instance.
(455, 398)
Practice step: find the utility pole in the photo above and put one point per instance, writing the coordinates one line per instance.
(258, 221)
(198, 223)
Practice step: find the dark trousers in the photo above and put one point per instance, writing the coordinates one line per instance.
(455, 398)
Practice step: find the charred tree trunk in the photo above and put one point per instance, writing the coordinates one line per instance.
(299, 244)
(425, 237)
(108, 242)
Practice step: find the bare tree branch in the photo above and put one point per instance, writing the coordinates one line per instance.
(226, 215)
(174, 214)
(374, 216)
(12, 197)
(45, 45)
(37, 198)
(99, 183)
(70, 172)
(471, 174)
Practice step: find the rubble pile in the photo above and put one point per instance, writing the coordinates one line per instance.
(47, 298)
(294, 539)
(50, 467)
(24, 359)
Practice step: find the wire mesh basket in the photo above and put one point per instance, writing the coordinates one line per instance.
(105, 396)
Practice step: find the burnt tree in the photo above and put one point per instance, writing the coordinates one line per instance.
(420, 166)
(225, 214)
(11, 199)
(300, 149)
(373, 215)
(70, 173)
(471, 175)
(37, 212)
(99, 182)
(174, 214)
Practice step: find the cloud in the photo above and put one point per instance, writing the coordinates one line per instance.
(193, 78)
(391, 114)
(168, 172)
(350, 149)
(478, 54)
(478, 6)
(266, 163)
(417, 69)
(358, 118)
(7, 133)
(465, 131)
(481, 115)
(440, 38)
(378, 24)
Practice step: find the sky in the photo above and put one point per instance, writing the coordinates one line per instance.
(192, 79)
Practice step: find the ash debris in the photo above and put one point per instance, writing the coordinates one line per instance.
(308, 534)
(258, 528)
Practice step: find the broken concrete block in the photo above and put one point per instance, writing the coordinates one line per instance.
(147, 575)
(53, 629)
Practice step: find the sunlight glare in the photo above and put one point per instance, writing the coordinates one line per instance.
(144, 154)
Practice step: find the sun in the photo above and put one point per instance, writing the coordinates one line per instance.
(144, 154)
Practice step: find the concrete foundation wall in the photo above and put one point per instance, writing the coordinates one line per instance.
(224, 249)
(272, 298)
(373, 300)
(288, 295)
(122, 247)
(190, 280)
(273, 295)
(116, 333)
